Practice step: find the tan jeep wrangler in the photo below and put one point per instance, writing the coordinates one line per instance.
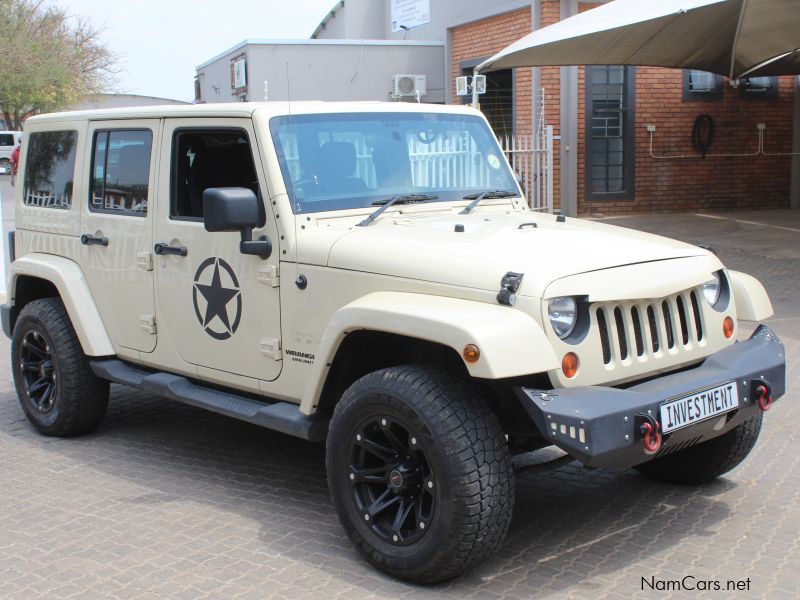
(370, 274)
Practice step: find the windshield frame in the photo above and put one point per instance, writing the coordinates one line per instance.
(475, 127)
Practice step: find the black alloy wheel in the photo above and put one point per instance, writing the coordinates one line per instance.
(39, 372)
(419, 472)
(57, 389)
(391, 479)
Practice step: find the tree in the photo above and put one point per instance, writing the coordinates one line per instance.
(48, 59)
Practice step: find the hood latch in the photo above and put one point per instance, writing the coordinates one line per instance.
(509, 285)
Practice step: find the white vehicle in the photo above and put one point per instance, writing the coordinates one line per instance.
(8, 141)
(370, 274)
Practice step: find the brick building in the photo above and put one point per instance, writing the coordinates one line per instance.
(623, 135)
(605, 162)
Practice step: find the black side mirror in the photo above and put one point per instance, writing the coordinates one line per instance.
(235, 209)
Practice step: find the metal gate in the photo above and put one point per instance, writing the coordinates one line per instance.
(531, 157)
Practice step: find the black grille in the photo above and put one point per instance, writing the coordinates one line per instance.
(683, 320)
(651, 319)
(604, 341)
(641, 329)
(698, 325)
(623, 340)
(668, 324)
(637, 331)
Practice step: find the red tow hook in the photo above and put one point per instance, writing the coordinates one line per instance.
(764, 397)
(651, 437)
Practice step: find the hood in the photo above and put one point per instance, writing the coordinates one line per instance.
(430, 247)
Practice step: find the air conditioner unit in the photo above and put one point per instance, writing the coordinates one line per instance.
(409, 85)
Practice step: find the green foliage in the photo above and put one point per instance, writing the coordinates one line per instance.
(48, 59)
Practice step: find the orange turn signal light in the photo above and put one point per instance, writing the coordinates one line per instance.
(569, 364)
(471, 353)
(727, 327)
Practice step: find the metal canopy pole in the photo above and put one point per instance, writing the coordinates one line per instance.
(474, 89)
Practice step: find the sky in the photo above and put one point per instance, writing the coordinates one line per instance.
(160, 42)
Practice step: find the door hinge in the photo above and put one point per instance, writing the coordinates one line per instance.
(144, 260)
(271, 347)
(269, 275)
(148, 323)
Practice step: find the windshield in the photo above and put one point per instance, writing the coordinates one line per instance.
(352, 160)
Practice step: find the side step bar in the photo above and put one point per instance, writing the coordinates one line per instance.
(280, 416)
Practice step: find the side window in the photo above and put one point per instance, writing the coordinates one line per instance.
(207, 158)
(50, 169)
(121, 172)
(7, 139)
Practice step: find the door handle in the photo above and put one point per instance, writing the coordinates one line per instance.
(93, 240)
(162, 248)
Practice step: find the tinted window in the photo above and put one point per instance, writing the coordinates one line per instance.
(121, 172)
(50, 169)
(7, 139)
(205, 159)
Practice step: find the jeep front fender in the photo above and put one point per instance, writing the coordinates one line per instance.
(68, 279)
(750, 297)
(511, 343)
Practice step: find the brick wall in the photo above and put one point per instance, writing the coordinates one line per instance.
(486, 37)
(713, 183)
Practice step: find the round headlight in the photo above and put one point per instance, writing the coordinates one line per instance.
(563, 314)
(711, 290)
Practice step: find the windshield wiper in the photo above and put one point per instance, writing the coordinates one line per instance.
(476, 198)
(402, 199)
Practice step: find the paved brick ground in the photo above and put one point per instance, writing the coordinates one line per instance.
(167, 501)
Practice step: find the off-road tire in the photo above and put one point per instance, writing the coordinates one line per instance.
(80, 396)
(706, 461)
(469, 460)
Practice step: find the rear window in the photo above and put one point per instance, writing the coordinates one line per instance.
(7, 139)
(50, 169)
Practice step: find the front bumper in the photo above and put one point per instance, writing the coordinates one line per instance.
(600, 426)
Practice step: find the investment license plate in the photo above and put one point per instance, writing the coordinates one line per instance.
(699, 406)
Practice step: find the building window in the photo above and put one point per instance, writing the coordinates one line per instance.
(497, 104)
(701, 85)
(610, 116)
(50, 169)
(120, 181)
(759, 88)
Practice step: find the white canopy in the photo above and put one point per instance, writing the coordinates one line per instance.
(736, 38)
